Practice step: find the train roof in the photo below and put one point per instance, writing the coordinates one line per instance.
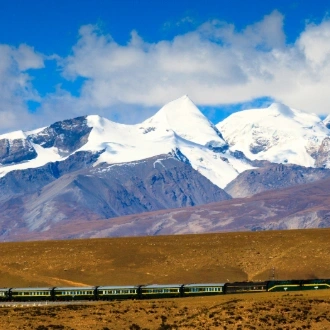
(156, 286)
(110, 287)
(203, 284)
(74, 288)
(246, 283)
(31, 289)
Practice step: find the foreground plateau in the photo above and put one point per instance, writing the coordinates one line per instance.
(204, 258)
(310, 310)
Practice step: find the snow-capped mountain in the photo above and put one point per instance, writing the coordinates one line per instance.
(179, 125)
(278, 134)
(89, 168)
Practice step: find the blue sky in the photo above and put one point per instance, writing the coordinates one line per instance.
(125, 59)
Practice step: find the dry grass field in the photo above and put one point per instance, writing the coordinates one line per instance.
(173, 259)
(273, 311)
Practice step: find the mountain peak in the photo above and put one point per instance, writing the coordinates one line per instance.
(184, 118)
(278, 134)
(282, 109)
(182, 106)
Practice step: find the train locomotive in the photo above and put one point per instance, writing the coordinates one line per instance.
(156, 290)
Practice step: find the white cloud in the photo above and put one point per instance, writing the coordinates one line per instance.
(214, 64)
(15, 85)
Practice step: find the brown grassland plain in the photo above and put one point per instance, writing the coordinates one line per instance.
(240, 256)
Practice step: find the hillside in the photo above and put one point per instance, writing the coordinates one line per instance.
(167, 259)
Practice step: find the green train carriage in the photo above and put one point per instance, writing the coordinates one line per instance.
(316, 284)
(203, 289)
(31, 294)
(284, 285)
(118, 292)
(245, 287)
(4, 294)
(75, 293)
(161, 291)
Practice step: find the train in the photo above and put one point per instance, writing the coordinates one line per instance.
(156, 290)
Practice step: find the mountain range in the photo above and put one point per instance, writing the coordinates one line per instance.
(79, 177)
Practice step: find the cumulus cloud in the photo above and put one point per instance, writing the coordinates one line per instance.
(215, 64)
(15, 84)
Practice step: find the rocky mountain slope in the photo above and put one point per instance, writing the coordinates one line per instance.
(298, 207)
(272, 177)
(101, 192)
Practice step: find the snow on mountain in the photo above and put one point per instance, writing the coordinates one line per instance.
(179, 125)
(326, 121)
(13, 135)
(184, 118)
(278, 134)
